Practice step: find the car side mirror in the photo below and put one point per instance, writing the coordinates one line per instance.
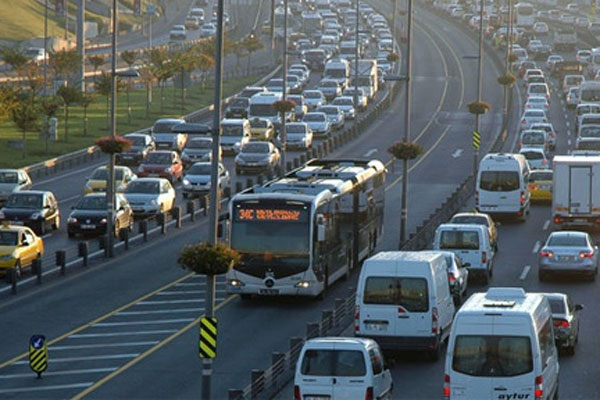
(47, 207)
(321, 232)
(578, 307)
(24, 243)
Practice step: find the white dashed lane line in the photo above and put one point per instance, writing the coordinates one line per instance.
(546, 225)
(525, 272)
(536, 247)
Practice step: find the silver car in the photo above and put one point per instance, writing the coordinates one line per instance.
(330, 88)
(13, 180)
(150, 196)
(198, 149)
(314, 99)
(196, 181)
(165, 138)
(318, 122)
(346, 104)
(565, 319)
(335, 116)
(299, 135)
(568, 252)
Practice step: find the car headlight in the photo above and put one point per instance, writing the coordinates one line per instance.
(266, 159)
(168, 169)
(141, 168)
(236, 283)
(6, 257)
(35, 215)
(303, 284)
(237, 145)
(119, 187)
(88, 185)
(240, 160)
(186, 182)
(153, 202)
(72, 220)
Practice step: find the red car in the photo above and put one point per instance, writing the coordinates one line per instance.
(162, 163)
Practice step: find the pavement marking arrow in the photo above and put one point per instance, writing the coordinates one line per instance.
(370, 153)
(457, 153)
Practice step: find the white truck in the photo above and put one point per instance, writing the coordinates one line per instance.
(339, 71)
(576, 191)
(367, 77)
(565, 39)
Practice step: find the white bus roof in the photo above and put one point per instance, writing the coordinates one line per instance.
(502, 300)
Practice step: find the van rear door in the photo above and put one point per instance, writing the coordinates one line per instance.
(350, 381)
(466, 244)
(317, 373)
(580, 190)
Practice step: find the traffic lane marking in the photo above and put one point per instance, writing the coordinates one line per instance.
(536, 247)
(169, 311)
(151, 322)
(50, 387)
(87, 358)
(59, 373)
(68, 174)
(525, 272)
(370, 153)
(546, 225)
(182, 292)
(457, 153)
(115, 334)
(102, 345)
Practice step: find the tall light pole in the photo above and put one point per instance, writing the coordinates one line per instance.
(284, 84)
(272, 25)
(479, 86)
(356, 44)
(46, 133)
(214, 200)
(110, 184)
(507, 60)
(404, 200)
(81, 41)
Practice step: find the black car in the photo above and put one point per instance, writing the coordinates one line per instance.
(89, 216)
(33, 208)
(237, 108)
(542, 52)
(141, 146)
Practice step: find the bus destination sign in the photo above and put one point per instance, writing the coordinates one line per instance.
(270, 214)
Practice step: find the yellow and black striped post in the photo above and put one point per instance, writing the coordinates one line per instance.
(476, 139)
(207, 345)
(38, 354)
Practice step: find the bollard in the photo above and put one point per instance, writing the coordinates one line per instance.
(339, 311)
(296, 162)
(227, 191)
(257, 377)
(103, 244)
(288, 166)
(270, 175)
(125, 237)
(61, 259)
(206, 204)
(36, 267)
(191, 209)
(277, 366)
(176, 213)
(161, 220)
(326, 320)
(235, 394)
(295, 347)
(312, 330)
(302, 159)
(260, 179)
(238, 187)
(12, 277)
(143, 227)
(83, 251)
(249, 182)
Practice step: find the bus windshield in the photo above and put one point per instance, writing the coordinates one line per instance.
(590, 95)
(262, 110)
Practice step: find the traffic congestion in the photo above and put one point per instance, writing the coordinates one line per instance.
(493, 307)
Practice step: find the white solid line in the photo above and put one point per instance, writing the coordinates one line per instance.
(156, 302)
(112, 334)
(103, 345)
(536, 247)
(525, 272)
(46, 236)
(87, 358)
(51, 387)
(546, 225)
(171, 311)
(176, 292)
(58, 373)
(184, 284)
(370, 153)
(152, 322)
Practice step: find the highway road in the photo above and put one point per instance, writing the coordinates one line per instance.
(133, 332)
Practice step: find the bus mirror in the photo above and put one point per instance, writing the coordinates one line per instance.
(321, 232)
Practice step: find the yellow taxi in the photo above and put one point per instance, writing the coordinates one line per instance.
(262, 129)
(540, 185)
(97, 181)
(19, 246)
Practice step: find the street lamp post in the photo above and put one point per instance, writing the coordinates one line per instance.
(507, 61)
(479, 85)
(404, 199)
(46, 133)
(284, 84)
(110, 186)
(214, 200)
(356, 44)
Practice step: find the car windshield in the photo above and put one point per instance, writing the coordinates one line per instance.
(321, 362)
(567, 241)
(409, 293)
(258, 123)
(92, 203)
(533, 138)
(199, 144)
(295, 128)
(557, 306)
(329, 110)
(199, 169)
(312, 95)
(164, 127)
(590, 95)
(102, 174)
(239, 103)
(232, 130)
(533, 155)
(256, 148)
(537, 89)
(158, 158)
(296, 99)
(9, 177)
(479, 355)
(314, 118)
(24, 200)
(470, 219)
(499, 181)
(342, 102)
(8, 238)
(328, 84)
(540, 176)
(144, 187)
(136, 141)
(455, 239)
(590, 131)
(588, 144)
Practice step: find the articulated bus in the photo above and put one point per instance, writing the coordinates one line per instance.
(299, 234)
(525, 13)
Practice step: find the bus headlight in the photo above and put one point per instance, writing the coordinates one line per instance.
(303, 284)
(235, 283)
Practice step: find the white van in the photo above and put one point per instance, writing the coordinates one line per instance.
(471, 243)
(502, 347)
(501, 187)
(403, 301)
(235, 133)
(340, 368)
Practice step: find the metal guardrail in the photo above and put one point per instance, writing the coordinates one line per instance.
(264, 384)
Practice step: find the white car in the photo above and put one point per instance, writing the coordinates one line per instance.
(535, 156)
(584, 56)
(567, 19)
(534, 44)
(196, 181)
(538, 89)
(550, 132)
(36, 54)
(208, 29)
(346, 104)
(150, 196)
(178, 32)
(537, 103)
(582, 22)
(314, 99)
(299, 135)
(573, 97)
(540, 28)
(531, 117)
(553, 59)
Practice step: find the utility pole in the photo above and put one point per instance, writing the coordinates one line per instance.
(46, 133)
(66, 3)
(214, 195)
(81, 41)
(110, 184)
(272, 25)
(150, 31)
(356, 64)
(479, 85)
(284, 96)
(404, 200)
(507, 61)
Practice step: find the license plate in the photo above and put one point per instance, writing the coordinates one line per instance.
(317, 397)
(580, 220)
(127, 157)
(268, 291)
(137, 209)
(17, 223)
(565, 258)
(88, 226)
(376, 327)
(153, 175)
(544, 187)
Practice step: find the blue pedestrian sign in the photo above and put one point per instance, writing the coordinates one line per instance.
(37, 341)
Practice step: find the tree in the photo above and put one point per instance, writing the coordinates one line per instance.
(187, 63)
(129, 57)
(208, 259)
(205, 63)
(147, 76)
(65, 63)
(103, 87)
(237, 48)
(15, 58)
(87, 98)
(162, 64)
(25, 115)
(69, 95)
(9, 98)
(96, 61)
(252, 44)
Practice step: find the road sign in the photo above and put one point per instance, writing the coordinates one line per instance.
(208, 338)
(38, 354)
(150, 9)
(476, 139)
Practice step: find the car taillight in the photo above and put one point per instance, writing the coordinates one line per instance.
(297, 395)
(434, 320)
(546, 254)
(527, 106)
(446, 387)
(552, 134)
(544, 161)
(561, 323)
(539, 388)
(522, 198)
(483, 257)
(523, 122)
(557, 220)
(357, 319)
(369, 393)
(532, 187)
(586, 254)
(451, 278)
